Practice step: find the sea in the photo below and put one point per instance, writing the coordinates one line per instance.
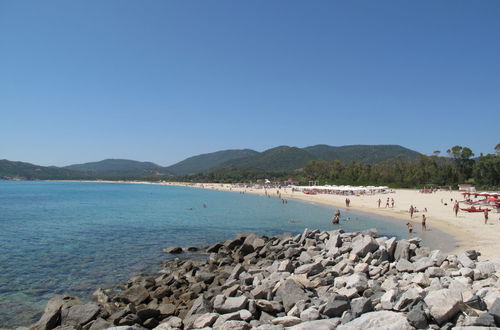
(73, 237)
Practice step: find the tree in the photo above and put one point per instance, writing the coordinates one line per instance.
(497, 149)
(436, 152)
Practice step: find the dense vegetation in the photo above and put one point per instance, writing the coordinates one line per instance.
(317, 163)
(459, 167)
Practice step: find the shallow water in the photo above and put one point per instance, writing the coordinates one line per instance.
(72, 237)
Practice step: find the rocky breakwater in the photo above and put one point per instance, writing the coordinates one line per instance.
(315, 280)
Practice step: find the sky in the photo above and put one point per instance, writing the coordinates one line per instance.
(161, 81)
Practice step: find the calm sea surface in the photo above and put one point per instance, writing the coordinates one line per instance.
(65, 237)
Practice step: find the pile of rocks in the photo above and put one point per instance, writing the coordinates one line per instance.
(314, 280)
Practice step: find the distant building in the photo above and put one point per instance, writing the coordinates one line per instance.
(291, 182)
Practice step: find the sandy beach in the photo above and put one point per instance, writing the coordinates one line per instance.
(468, 229)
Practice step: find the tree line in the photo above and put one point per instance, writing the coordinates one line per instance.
(459, 166)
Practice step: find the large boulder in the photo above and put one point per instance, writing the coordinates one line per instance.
(80, 314)
(402, 250)
(290, 292)
(327, 324)
(378, 320)
(361, 245)
(335, 306)
(231, 304)
(136, 294)
(51, 317)
(443, 305)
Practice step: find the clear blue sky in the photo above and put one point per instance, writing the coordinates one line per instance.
(163, 80)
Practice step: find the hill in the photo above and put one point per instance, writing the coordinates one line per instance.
(206, 162)
(283, 158)
(366, 154)
(21, 170)
(110, 168)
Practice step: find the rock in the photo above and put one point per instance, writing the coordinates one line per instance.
(417, 318)
(421, 279)
(290, 292)
(495, 311)
(100, 324)
(286, 266)
(79, 314)
(422, 264)
(234, 325)
(362, 245)
(435, 272)
(388, 299)
(272, 307)
(378, 320)
(335, 306)
(357, 281)
(404, 265)
(310, 269)
(402, 250)
(333, 242)
(129, 319)
(205, 320)
(464, 259)
(360, 306)
(328, 324)
(408, 299)
(147, 313)
(214, 248)
(442, 304)
(173, 249)
(135, 294)
(287, 321)
(166, 309)
(51, 317)
(204, 277)
(486, 268)
(230, 304)
(486, 320)
(437, 257)
(309, 314)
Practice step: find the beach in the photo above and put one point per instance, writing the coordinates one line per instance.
(468, 229)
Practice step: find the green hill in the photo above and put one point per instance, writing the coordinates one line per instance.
(366, 154)
(110, 168)
(206, 162)
(26, 171)
(281, 158)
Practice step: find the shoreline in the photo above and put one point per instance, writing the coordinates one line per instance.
(468, 230)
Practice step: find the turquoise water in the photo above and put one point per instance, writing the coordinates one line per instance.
(72, 237)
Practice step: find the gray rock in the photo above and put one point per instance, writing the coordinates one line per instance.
(402, 250)
(422, 264)
(205, 320)
(417, 317)
(495, 311)
(333, 242)
(408, 299)
(286, 266)
(166, 309)
(173, 249)
(486, 268)
(378, 320)
(486, 320)
(234, 325)
(360, 306)
(100, 324)
(230, 304)
(390, 246)
(335, 306)
(404, 265)
(51, 317)
(79, 314)
(310, 269)
(435, 272)
(136, 294)
(328, 324)
(443, 305)
(362, 245)
(464, 259)
(357, 281)
(290, 292)
(200, 306)
(388, 299)
(272, 307)
(437, 257)
(309, 314)
(287, 321)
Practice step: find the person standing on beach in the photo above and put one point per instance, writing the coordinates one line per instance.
(392, 202)
(455, 208)
(424, 225)
(485, 216)
(387, 203)
(412, 209)
(379, 201)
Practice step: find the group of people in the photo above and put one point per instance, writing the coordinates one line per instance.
(409, 225)
(389, 203)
